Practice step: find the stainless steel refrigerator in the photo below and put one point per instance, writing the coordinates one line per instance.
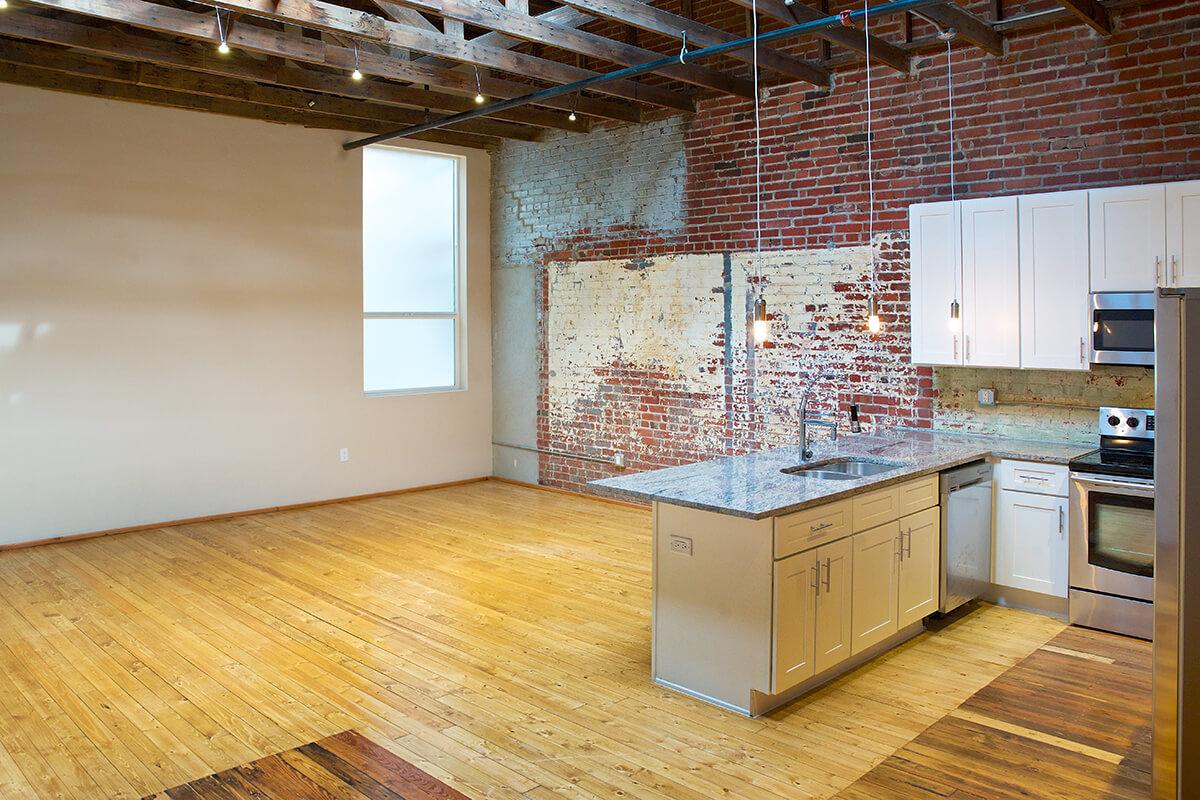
(1176, 765)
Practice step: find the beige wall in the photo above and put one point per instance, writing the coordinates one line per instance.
(180, 325)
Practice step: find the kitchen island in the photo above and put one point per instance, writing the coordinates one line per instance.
(769, 582)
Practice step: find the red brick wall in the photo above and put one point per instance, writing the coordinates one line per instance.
(1064, 108)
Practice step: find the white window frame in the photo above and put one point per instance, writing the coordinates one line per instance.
(457, 315)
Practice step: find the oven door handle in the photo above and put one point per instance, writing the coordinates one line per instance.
(1141, 488)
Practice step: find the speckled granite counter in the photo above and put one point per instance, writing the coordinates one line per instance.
(753, 486)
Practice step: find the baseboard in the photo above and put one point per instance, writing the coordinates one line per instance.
(234, 514)
(573, 493)
(1026, 600)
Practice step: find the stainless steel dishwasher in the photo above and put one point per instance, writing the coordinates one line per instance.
(966, 534)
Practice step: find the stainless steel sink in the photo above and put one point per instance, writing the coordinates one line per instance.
(840, 469)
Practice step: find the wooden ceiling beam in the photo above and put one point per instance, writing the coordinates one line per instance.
(970, 27)
(563, 15)
(318, 15)
(152, 76)
(313, 12)
(522, 26)
(275, 71)
(852, 38)
(202, 27)
(648, 18)
(1092, 13)
(58, 81)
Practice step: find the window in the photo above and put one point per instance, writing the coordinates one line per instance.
(412, 275)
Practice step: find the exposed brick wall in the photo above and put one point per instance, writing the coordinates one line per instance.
(645, 291)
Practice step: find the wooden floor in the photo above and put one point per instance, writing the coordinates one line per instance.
(1070, 721)
(497, 637)
(348, 766)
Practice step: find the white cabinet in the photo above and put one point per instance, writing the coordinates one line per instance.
(991, 312)
(936, 256)
(1031, 527)
(1128, 238)
(1183, 234)
(1054, 280)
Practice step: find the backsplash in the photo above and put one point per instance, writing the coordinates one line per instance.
(956, 406)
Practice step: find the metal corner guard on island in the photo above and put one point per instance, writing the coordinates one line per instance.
(775, 573)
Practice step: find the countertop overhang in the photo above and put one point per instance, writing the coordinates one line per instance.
(753, 486)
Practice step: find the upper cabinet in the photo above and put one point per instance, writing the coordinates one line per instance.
(1182, 267)
(934, 230)
(1054, 280)
(1128, 238)
(991, 312)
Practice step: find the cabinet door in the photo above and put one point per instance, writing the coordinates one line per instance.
(934, 232)
(1183, 234)
(1128, 238)
(991, 311)
(1054, 280)
(873, 586)
(833, 604)
(919, 578)
(1031, 542)
(794, 620)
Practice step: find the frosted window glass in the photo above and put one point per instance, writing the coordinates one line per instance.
(401, 354)
(409, 230)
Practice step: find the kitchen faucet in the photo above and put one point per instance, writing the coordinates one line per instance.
(805, 451)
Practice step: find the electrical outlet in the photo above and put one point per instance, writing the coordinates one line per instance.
(514, 463)
(344, 454)
(619, 460)
(987, 397)
(681, 544)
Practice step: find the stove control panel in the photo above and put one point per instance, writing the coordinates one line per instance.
(1127, 423)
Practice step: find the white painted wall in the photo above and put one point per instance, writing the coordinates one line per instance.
(180, 329)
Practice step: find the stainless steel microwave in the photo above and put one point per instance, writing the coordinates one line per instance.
(1123, 328)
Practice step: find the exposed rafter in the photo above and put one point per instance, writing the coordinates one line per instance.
(970, 27)
(883, 51)
(202, 27)
(522, 26)
(648, 18)
(317, 13)
(362, 99)
(1091, 12)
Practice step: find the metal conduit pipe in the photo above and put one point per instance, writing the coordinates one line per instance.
(894, 7)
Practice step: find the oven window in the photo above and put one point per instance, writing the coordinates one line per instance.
(1121, 533)
(1124, 331)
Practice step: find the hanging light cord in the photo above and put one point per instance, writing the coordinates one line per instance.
(757, 154)
(870, 151)
(950, 95)
(220, 28)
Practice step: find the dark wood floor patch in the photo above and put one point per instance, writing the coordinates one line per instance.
(1055, 726)
(346, 766)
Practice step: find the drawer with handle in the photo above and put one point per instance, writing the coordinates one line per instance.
(812, 527)
(1028, 476)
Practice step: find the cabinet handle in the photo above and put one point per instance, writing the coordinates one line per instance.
(1082, 353)
(821, 527)
(900, 553)
(968, 349)
(1174, 265)
(908, 552)
(1032, 478)
(1061, 522)
(816, 571)
(828, 573)
(956, 347)
(1158, 273)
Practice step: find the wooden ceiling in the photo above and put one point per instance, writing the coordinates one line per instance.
(290, 61)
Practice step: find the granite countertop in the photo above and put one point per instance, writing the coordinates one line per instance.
(752, 485)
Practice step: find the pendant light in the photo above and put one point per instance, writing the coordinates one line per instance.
(874, 323)
(223, 47)
(479, 98)
(357, 74)
(761, 323)
(574, 101)
(947, 36)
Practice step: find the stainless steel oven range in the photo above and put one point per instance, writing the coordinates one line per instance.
(1112, 527)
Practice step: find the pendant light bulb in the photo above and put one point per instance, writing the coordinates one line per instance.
(3, 3)
(761, 326)
(223, 48)
(479, 99)
(955, 315)
(356, 75)
(874, 324)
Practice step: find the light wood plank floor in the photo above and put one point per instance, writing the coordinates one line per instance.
(495, 636)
